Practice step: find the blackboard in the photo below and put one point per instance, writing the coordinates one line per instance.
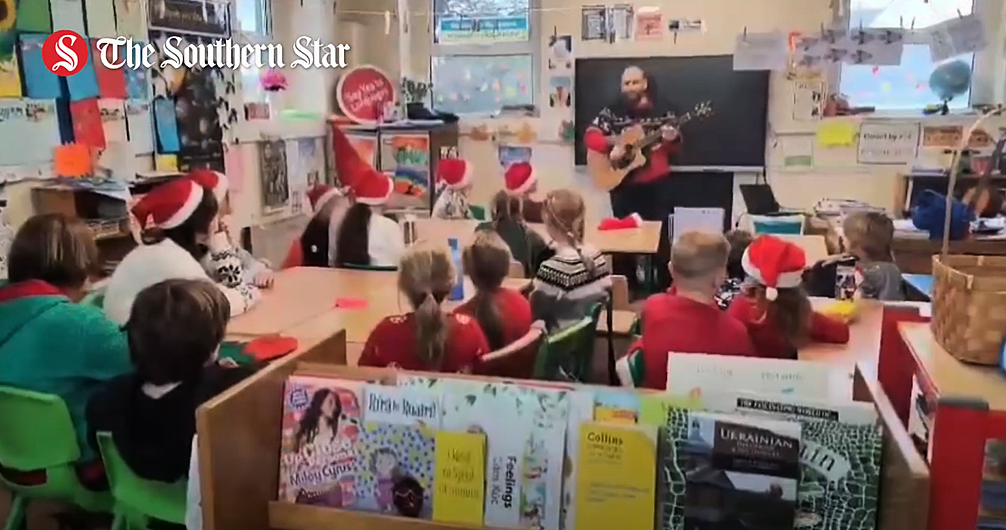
(733, 136)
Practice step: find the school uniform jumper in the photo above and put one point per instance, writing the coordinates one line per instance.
(393, 343)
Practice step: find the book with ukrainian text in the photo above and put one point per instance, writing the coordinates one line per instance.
(319, 448)
(840, 458)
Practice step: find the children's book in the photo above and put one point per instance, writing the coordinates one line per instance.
(461, 478)
(617, 478)
(841, 448)
(402, 406)
(395, 469)
(616, 406)
(739, 472)
(321, 431)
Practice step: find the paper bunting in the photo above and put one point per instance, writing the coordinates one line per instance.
(74, 160)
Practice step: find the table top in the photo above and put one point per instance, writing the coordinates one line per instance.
(642, 240)
(950, 377)
(923, 283)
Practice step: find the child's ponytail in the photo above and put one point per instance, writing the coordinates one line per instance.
(426, 276)
(431, 331)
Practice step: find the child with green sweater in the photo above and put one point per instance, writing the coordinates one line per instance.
(48, 342)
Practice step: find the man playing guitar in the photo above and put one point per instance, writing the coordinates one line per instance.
(645, 190)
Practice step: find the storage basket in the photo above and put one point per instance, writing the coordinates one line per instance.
(969, 292)
(969, 306)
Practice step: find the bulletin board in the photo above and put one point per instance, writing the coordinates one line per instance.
(733, 136)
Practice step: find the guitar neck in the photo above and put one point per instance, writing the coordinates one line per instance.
(656, 135)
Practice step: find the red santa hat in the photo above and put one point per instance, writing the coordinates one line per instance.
(320, 194)
(373, 188)
(519, 178)
(612, 223)
(349, 165)
(455, 173)
(774, 263)
(211, 180)
(169, 205)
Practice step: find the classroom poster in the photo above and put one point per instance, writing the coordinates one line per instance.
(594, 22)
(130, 19)
(87, 126)
(273, 175)
(166, 125)
(40, 83)
(111, 83)
(836, 133)
(407, 158)
(942, 136)
(875, 46)
(882, 142)
(296, 177)
(620, 22)
(808, 100)
(68, 14)
(139, 123)
(29, 131)
(956, 36)
(649, 24)
(33, 16)
(560, 52)
(113, 120)
(100, 18)
(797, 151)
(312, 160)
(10, 80)
(234, 167)
(560, 93)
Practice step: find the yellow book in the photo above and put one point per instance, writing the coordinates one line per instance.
(653, 407)
(614, 415)
(459, 483)
(617, 480)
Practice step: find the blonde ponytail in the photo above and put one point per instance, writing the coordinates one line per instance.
(426, 276)
(564, 214)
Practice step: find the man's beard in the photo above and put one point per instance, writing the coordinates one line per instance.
(636, 101)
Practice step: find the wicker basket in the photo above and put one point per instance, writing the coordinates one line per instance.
(969, 306)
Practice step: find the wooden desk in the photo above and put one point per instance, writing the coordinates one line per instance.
(642, 240)
(864, 340)
(915, 255)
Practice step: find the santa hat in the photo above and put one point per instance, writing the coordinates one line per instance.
(454, 172)
(349, 165)
(212, 180)
(320, 194)
(373, 188)
(612, 223)
(774, 263)
(519, 178)
(169, 205)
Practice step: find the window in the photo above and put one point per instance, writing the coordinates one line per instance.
(905, 86)
(253, 25)
(483, 57)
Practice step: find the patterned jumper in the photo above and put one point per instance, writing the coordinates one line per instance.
(564, 288)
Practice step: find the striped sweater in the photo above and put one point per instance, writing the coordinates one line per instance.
(564, 288)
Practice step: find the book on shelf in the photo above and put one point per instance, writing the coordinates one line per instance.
(840, 457)
(395, 469)
(739, 472)
(460, 482)
(616, 485)
(319, 447)
(692, 374)
(402, 406)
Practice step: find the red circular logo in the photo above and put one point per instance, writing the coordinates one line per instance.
(64, 53)
(363, 92)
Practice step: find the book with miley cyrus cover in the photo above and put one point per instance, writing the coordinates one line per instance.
(840, 458)
(319, 452)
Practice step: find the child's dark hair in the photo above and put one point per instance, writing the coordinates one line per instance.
(487, 262)
(55, 249)
(186, 235)
(354, 237)
(507, 207)
(308, 427)
(174, 328)
(870, 233)
(739, 241)
(792, 312)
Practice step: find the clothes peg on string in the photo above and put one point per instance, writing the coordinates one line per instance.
(959, 14)
(387, 22)
(913, 23)
(745, 37)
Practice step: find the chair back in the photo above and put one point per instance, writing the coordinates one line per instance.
(516, 359)
(138, 499)
(478, 212)
(384, 268)
(37, 431)
(788, 224)
(569, 353)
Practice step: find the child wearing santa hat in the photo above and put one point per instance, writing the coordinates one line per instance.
(225, 262)
(365, 236)
(775, 307)
(316, 245)
(176, 219)
(455, 175)
(522, 181)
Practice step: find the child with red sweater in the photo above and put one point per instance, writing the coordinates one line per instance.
(503, 314)
(775, 307)
(686, 319)
(427, 338)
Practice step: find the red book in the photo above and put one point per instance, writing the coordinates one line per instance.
(111, 83)
(87, 128)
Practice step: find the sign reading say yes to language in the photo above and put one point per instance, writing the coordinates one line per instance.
(689, 373)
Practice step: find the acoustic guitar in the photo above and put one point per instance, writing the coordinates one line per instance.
(635, 141)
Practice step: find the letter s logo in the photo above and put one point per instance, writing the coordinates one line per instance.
(64, 53)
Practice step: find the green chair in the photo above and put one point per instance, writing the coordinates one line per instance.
(637, 326)
(384, 268)
(138, 501)
(477, 212)
(38, 435)
(569, 353)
